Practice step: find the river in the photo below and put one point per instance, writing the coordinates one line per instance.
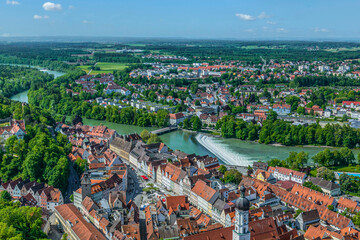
(229, 151)
(23, 96)
(184, 141)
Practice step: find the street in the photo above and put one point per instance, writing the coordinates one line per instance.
(135, 186)
(135, 192)
(73, 183)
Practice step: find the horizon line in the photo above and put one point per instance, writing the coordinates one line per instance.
(46, 38)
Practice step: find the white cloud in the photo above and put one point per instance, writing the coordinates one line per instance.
(38, 17)
(321, 30)
(245, 17)
(271, 22)
(5, 35)
(49, 6)
(263, 15)
(281, 30)
(12, 2)
(71, 7)
(86, 22)
(250, 30)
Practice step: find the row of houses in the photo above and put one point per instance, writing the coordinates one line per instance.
(290, 177)
(32, 193)
(304, 199)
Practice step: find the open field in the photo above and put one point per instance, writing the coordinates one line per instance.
(95, 72)
(136, 45)
(85, 68)
(256, 47)
(105, 66)
(343, 49)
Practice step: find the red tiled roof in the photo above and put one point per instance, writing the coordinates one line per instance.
(203, 190)
(344, 203)
(286, 171)
(304, 204)
(83, 229)
(176, 115)
(312, 195)
(222, 233)
(175, 201)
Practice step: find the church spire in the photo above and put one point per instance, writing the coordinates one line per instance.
(241, 231)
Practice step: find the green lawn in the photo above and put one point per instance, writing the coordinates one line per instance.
(346, 169)
(313, 172)
(5, 124)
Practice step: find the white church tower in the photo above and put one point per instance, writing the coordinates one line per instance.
(241, 231)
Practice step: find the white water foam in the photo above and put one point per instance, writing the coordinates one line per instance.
(222, 151)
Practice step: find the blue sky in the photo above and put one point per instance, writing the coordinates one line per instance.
(219, 19)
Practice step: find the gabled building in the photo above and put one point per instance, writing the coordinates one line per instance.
(122, 146)
(350, 205)
(305, 219)
(15, 128)
(176, 118)
(327, 187)
(178, 204)
(313, 196)
(265, 176)
(321, 232)
(203, 197)
(16, 193)
(28, 200)
(51, 197)
(98, 190)
(282, 109)
(285, 174)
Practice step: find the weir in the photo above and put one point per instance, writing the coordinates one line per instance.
(224, 154)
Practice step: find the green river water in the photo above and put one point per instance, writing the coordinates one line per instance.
(230, 151)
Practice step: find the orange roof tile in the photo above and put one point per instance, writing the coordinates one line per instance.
(83, 229)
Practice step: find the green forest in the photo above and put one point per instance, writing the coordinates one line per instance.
(41, 155)
(54, 55)
(14, 79)
(19, 223)
(278, 131)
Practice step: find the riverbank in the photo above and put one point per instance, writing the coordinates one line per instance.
(229, 151)
(257, 142)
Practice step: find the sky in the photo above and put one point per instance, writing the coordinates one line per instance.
(193, 19)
